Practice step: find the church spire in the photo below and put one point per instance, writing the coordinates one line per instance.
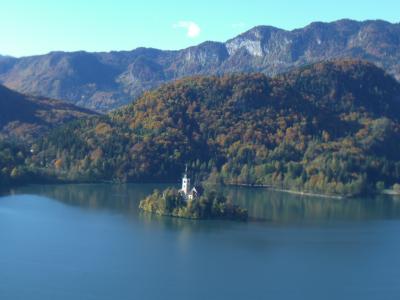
(185, 183)
(186, 190)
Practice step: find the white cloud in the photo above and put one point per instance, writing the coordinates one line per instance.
(193, 30)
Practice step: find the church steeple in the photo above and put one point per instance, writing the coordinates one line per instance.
(185, 183)
(187, 192)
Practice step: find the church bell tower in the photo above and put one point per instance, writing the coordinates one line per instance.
(185, 183)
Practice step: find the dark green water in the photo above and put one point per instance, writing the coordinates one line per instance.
(91, 242)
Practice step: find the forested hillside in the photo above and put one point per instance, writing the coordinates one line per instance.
(330, 128)
(107, 80)
(25, 117)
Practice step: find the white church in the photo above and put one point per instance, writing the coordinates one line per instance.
(189, 194)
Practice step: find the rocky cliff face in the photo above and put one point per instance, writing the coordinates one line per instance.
(104, 81)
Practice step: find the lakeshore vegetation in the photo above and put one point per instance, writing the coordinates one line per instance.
(210, 205)
(330, 128)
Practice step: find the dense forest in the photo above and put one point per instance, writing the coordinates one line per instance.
(14, 169)
(26, 117)
(330, 128)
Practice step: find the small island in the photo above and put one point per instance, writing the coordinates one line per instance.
(192, 204)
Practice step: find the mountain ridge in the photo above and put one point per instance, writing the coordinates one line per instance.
(108, 80)
(24, 117)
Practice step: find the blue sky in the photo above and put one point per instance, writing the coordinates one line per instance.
(39, 26)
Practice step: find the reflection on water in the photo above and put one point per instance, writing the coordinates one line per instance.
(263, 204)
(280, 206)
(90, 241)
(119, 197)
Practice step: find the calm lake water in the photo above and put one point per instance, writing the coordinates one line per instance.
(91, 242)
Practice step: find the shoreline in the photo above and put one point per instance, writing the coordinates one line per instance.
(259, 186)
(272, 188)
(390, 193)
(4, 189)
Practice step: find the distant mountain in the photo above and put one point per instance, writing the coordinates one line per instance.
(103, 81)
(26, 117)
(330, 128)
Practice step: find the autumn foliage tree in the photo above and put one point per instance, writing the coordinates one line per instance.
(329, 128)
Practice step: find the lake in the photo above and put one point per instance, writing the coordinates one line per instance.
(89, 241)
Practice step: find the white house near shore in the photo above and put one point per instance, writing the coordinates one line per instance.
(186, 191)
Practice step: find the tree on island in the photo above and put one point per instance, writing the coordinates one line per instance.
(210, 205)
(396, 187)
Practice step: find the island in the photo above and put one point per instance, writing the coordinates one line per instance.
(192, 203)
